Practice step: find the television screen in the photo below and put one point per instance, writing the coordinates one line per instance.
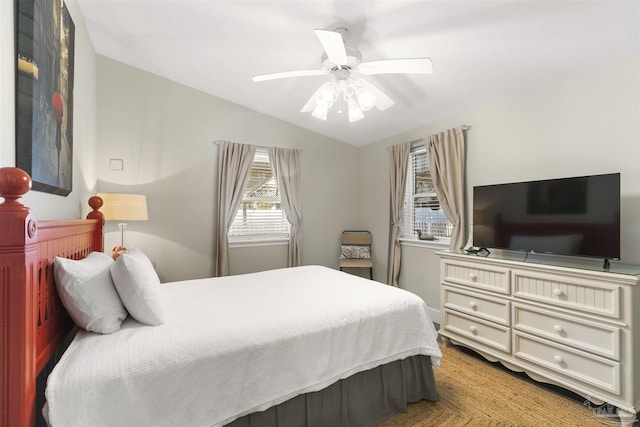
(569, 216)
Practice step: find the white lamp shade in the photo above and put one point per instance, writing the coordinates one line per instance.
(320, 112)
(327, 95)
(366, 100)
(124, 207)
(355, 113)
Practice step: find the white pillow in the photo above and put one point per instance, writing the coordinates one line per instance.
(355, 251)
(137, 283)
(87, 292)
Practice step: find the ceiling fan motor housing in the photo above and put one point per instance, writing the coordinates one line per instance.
(354, 58)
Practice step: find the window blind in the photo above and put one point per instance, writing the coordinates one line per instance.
(260, 215)
(421, 205)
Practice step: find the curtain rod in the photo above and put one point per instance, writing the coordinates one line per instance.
(463, 127)
(220, 141)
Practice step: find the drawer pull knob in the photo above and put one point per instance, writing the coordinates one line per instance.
(473, 305)
(558, 359)
(558, 328)
(473, 329)
(473, 277)
(557, 292)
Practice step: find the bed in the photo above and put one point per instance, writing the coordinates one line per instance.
(302, 346)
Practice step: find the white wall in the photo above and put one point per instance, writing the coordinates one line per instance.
(43, 205)
(164, 133)
(588, 124)
(7, 85)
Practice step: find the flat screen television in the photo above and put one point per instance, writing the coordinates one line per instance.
(578, 216)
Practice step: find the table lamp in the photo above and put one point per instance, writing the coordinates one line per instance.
(123, 207)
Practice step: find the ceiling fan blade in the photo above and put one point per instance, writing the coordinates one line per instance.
(397, 66)
(382, 101)
(285, 74)
(333, 45)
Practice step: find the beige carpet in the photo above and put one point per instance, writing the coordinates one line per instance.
(475, 392)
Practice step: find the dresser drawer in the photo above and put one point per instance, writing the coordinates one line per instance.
(487, 333)
(588, 295)
(494, 279)
(484, 306)
(589, 336)
(587, 368)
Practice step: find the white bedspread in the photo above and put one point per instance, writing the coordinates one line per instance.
(236, 345)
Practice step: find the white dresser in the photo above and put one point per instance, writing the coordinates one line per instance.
(572, 327)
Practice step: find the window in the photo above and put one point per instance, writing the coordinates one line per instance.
(421, 206)
(260, 215)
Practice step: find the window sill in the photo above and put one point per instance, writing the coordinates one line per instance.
(263, 241)
(441, 243)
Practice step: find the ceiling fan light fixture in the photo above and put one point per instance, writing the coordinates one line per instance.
(322, 103)
(355, 113)
(366, 99)
(327, 95)
(320, 112)
(355, 93)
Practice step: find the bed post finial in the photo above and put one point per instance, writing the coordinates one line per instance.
(96, 203)
(17, 226)
(14, 183)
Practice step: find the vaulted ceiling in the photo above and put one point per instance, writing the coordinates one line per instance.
(481, 50)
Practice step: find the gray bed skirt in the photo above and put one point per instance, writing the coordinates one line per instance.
(363, 399)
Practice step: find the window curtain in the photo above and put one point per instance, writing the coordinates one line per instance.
(447, 161)
(398, 164)
(234, 167)
(286, 168)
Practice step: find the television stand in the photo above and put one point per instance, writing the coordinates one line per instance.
(573, 327)
(606, 265)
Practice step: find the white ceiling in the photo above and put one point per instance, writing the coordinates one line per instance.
(481, 50)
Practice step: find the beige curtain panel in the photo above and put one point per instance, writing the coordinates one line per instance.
(398, 164)
(447, 161)
(234, 167)
(286, 168)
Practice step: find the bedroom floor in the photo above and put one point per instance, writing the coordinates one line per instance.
(473, 392)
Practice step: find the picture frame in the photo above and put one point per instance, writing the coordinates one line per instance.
(45, 42)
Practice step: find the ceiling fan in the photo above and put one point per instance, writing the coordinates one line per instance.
(347, 85)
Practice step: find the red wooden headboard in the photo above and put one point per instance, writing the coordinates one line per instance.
(33, 322)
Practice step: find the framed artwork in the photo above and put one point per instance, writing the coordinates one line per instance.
(45, 37)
